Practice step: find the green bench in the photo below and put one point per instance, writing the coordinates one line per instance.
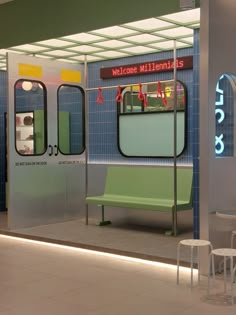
(147, 188)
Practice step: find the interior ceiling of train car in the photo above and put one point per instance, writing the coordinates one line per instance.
(146, 36)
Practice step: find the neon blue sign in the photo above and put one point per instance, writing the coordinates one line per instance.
(220, 116)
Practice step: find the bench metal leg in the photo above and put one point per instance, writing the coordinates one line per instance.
(86, 222)
(103, 222)
(174, 231)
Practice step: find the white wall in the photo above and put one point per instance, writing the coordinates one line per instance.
(217, 175)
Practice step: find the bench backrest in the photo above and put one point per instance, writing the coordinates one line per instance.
(150, 182)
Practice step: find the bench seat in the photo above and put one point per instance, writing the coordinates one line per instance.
(138, 202)
(145, 187)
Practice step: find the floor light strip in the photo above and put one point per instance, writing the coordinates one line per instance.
(99, 253)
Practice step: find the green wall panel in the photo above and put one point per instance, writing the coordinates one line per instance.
(27, 21)
(39, 130)
(64, 132)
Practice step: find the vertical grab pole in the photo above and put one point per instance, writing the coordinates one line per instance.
(175, 145)
(86, 131)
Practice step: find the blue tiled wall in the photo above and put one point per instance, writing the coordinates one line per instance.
(3, 109)
(27, 101)
(102, 118)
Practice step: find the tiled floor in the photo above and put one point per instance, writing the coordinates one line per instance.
(40, 279)
(139, 240)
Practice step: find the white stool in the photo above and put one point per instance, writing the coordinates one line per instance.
(233, 233)
(227, 253)
(192, 243)
(232, 238)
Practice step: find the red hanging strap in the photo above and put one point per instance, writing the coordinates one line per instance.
(119, 98)
(159, 91)
(140, 93)
(145, 101)
(164, 99)
(100, 99)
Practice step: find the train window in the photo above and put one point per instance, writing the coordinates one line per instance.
(30, 117)
(146, 123)
(71, 136)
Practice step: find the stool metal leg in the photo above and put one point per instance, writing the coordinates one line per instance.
(213, 268)
(209, 273)
(178, 250)
(232, 240)
(191, 266)
(231, 279)
(225, 275)
(198, 264)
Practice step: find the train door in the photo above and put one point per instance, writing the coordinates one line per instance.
(46, 160)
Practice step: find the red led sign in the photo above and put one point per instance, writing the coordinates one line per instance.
(147, 67)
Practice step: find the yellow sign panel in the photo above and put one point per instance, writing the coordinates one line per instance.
(27, 70)
(71, 76)
(135, 87)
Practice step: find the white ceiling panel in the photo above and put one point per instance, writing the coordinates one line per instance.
(42, 56)
(108, 44)
(167, 45)
(184, 17)
(139, 50)
(136, 38)
(112, 54)
(54, 43)
(68, 60)
(149, 24)
(176, 32)
(28, 47)
(89, 58)
(59, 53)
(84, 38)
(86, 49)
(143, 38)
(114, 31)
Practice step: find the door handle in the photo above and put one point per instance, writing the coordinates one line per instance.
(50, 152)
(56, 149)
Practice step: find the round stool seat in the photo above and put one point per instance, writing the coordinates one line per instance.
(192, 242)
(226, 214)
(224, 252)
